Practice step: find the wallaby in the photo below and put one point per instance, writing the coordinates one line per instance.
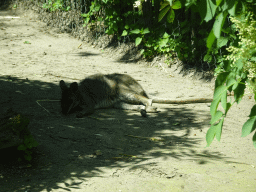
(110, 91)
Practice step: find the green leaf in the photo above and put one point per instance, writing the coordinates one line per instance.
(83, 15)
(170, 2)
(27, 139)
(189, 3)
(210, 39)
(235, 86)
(240, 8)
(239, 63)
(221, 79)
(184, 23)
(254, 140)
(97, 8)
(170, 16)
(145, 31)
(164, 4)
(253, 59)
(218, 2)
(214, 106)
(215, 130)
(68, 8)
(216, 117)
(249, 126)
(253, 111)
(126, 26)
(176, 5)
(28, 157)
(115, 26)
(135, 31)
(86, 20)
(124, 33)
(239, 92)
(226, 30)
(207, 9)
(22, 147)
(218, 94)
(163, 42)
(166, 35)
(224, 6)
(110, 31)
(163, 13)
(219, 91)
(232, 9)
(219, 129)
(217, 25)
(33, 142)
(138, 41)
(208, 58)
(231, 79)
(210, 135)
(224, 100)
(227, 65)
(227, 108)
(222, 41)
(219, 21)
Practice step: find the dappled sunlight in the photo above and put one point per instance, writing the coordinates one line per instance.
(110, 147)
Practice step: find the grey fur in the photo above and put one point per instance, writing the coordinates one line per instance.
(104, 91)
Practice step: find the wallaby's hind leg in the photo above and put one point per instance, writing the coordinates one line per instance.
(85, 112)
(126, 106)
(106, 103)
(135, 99)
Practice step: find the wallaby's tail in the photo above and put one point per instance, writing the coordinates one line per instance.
(185, 101)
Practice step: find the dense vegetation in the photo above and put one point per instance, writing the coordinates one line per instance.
(206, 34)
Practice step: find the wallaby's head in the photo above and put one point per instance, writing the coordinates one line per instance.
(69, 97)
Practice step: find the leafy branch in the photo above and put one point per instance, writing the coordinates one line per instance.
(237, 72)
(168, 6)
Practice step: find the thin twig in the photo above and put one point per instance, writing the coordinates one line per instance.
(42, 106)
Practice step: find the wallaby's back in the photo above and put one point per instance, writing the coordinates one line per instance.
(99, 91)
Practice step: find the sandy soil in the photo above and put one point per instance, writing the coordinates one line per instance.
(112, 150)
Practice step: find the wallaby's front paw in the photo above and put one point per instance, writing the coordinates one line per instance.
(143, 113)
(85, 113)
(150, 109)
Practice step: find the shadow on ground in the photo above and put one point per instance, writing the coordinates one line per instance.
(78, 148)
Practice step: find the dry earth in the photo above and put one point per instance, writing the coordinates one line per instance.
(112, 150)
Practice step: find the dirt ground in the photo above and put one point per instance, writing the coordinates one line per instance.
(112, 150)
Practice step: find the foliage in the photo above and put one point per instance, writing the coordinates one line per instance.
(168, 6)
(53, 5)
(196, 31)
(28, 144)
(236, 73)
(188, 38)
(94, 8)
(19, 124)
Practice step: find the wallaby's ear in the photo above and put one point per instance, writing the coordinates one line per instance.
(74, 87)
(63, 85)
